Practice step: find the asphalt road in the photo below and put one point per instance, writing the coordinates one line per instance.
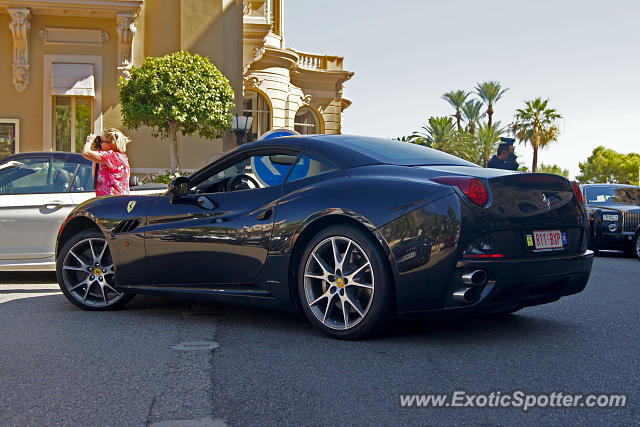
(61, 365)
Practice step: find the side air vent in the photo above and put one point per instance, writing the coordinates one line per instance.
(126, 226)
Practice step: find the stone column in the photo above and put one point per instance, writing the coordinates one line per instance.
(126, 31)
(19, 26)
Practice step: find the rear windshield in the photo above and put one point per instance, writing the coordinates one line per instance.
(613, 195)
(402, 153)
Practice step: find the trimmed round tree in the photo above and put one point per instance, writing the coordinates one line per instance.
(177, 92)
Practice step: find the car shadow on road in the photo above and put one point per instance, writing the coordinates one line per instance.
(468, 329)
(27, 277)
(262, 321)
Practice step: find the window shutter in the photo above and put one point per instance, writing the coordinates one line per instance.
(73, 79)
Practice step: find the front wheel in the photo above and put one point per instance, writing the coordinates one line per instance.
(85, 272)
(344, 283)
(636, 244)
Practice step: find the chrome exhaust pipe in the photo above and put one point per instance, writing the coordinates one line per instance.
(467, 295)
(475, 278)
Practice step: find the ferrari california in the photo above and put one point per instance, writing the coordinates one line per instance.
(349, 230)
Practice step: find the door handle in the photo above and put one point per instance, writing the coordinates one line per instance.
(54, 204)
(265, 215)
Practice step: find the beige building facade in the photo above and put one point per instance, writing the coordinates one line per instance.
(61, 60)
(288, 88)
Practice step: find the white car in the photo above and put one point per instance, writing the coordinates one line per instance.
(37, 192)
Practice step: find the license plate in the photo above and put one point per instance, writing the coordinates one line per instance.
(548, 239)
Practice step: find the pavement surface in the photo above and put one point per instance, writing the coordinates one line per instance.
(164, 362)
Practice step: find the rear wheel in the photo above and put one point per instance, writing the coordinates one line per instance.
(85, 273)
(344, 283)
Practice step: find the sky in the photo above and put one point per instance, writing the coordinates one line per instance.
(584, 56)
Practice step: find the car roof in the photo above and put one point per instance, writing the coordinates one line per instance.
(352, 151)
(60, 155)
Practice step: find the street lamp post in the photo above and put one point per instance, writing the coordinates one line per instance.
(240, 126)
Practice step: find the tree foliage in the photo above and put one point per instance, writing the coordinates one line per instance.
(554, 169)
(440, 133)
(457, 99)
(490, 92)
(608, 166)
(177, 92)
(472, 114)
(536, 124)
(478, 140)
(487, 139)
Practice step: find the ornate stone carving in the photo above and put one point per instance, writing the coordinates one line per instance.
(307, 99)
(257, 53)
(105, 37)
(126, 31)
(21, 77)
(251, 81)
(19, 26)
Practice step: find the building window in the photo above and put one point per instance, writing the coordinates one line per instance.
(72, 122)
(72, 101)
(307, 121)
(9, 137)
(257, 106)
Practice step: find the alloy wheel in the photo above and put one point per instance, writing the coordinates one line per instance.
(338, 283)
(87, 273)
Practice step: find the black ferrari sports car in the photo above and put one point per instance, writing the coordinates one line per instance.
(614, 217)
(350, 230)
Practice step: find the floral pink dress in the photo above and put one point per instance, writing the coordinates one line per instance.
(113, 175)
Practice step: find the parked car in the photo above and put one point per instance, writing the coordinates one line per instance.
(37, 192)
(614, 217)
(349, 230)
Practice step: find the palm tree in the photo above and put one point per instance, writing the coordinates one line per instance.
(456, 99)
(490, 92)
(487, 140)
(439, 133)
(471, 110)
(536, 124)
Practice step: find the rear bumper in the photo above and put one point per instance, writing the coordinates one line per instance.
(515, 283)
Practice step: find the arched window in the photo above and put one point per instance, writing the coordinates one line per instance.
(256, 105)
(307, 121)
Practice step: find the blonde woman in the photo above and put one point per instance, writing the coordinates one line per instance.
(107, 151)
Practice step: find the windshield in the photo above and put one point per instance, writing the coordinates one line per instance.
(613, 196)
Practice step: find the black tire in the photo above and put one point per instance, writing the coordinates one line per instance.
(361, 286)
(84, 270)
(636, 244)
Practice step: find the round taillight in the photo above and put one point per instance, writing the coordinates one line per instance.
(477, 192)
(473, 188)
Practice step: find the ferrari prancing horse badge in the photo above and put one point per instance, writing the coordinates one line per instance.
(131, 205)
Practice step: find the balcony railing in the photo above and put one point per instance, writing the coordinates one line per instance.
(319, 62)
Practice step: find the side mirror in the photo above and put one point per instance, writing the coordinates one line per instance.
(179, 187)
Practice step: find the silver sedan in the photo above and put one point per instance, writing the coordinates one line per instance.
(37, 192)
